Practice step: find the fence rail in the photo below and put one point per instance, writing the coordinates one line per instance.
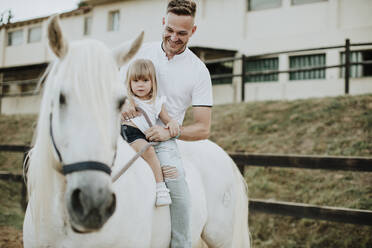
(301, 210)
(14, 148)
(298, 210)
(361, 164)
(32, 92)
(347, 65)
(20, 82)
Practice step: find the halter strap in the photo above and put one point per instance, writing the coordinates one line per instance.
(89, 165)
(80, 166)
(52, 136)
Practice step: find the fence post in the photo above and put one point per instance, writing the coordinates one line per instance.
(243, 78)
(347, 65)
(1, 90)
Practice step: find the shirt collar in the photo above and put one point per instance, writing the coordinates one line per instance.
(175, 57)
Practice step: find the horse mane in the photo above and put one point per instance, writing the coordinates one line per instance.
(89, 71)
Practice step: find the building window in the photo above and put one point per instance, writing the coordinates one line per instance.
(307, 61)
(34, 35)
(295, 2)
(87, 25)
(358, 70)
(261, 65)
(113, 22)
(221, 68)
(15, 37)
(263, 4)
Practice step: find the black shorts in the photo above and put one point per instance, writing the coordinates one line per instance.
(130, 134)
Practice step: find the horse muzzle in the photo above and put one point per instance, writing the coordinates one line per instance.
(90, 200)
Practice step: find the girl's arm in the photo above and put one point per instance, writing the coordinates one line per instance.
(129, 110)
(171, 124)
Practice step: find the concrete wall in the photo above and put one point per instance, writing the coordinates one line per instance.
(20, 105)
(226, 24)
(305, 89)
(221, 24)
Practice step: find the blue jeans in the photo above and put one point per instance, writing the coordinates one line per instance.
(168, 155)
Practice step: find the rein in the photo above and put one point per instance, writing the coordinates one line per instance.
(94, 165)
(135, 157)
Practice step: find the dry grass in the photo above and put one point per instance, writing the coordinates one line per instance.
(330, 126)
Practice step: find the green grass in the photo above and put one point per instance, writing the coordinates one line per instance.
(11, 212)
(340, 126)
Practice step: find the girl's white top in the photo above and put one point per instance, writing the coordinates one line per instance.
(184, 79)
(152, 110)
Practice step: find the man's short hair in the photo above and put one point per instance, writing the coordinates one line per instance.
(182, 7)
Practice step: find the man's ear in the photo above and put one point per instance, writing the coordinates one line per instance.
(163, 21)
(193, 29)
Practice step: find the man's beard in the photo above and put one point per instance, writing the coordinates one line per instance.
(179, 49)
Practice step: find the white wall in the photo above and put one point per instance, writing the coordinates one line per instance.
(20, 105)
(303, 89)
(221, 24)
(227, 24)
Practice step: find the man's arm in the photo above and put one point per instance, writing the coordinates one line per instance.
(200, 129)
(201, 126)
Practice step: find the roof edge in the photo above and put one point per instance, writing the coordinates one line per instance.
(79, 11)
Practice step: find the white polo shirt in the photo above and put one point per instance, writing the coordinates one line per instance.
(184, 80)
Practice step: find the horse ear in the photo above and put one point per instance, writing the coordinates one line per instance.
(127, 51)
(57, 42)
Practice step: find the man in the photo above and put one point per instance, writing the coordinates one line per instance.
(184, 79)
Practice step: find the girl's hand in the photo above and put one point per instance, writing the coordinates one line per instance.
(173, 127)
(129, 111)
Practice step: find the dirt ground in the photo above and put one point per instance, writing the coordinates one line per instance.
(10, 237)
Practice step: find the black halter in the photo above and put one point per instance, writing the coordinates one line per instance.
(80, 166)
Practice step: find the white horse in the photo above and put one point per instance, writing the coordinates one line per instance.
(78, 132)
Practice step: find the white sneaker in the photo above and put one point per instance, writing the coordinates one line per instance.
(162, 196)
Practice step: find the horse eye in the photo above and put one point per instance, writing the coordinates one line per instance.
(62, 99)
(121, 103)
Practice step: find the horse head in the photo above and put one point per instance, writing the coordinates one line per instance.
(85, 98)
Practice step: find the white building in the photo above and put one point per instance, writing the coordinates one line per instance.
(226, 28)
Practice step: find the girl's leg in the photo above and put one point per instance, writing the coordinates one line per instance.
(150, 157)
(162, 193)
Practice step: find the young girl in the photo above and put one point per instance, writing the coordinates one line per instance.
(142, 90)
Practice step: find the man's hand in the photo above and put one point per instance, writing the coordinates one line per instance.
(173, 127)
(129, 111)
(157, 133)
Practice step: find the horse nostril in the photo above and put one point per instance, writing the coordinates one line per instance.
(112, 205)
(76, 202)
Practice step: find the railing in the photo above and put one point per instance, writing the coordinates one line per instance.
(29, 82)
(245, 58)
(299, 210)
(16, 177)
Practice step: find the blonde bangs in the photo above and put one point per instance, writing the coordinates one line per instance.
(142, 69)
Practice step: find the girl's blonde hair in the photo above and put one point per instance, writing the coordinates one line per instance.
(142, 69)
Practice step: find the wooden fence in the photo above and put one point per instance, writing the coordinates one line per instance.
(298, 210)
(244, 59)
(15, 177)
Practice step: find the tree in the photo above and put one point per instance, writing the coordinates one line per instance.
(82, 3)
(6, 17)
